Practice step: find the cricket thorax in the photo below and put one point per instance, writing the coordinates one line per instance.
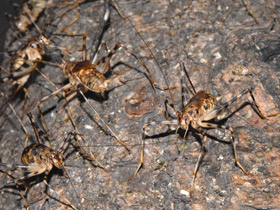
(198, 107)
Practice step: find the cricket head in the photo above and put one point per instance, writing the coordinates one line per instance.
(42, 39)
(183, 120)
(57, 159)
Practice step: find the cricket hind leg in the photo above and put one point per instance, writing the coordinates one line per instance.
(66, 202)
(19, 181)
(41, 136)
(151, 80)
(32, 170)
(221, 108)
(107, 59)
(203, 150)
(142, 154)
(78, 138)
(102, 124)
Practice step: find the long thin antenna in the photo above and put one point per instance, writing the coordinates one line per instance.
(183, 68)
(146, 44)
(27, 136)
(107, 127)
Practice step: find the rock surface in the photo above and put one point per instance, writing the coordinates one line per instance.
(220, 37)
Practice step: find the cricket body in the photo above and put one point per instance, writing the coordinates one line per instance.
(197, 113)
(39, 158)
(42, 157)
(88, 75)
(203, 110)
(84, 76)
(25, 62)
(197, 110)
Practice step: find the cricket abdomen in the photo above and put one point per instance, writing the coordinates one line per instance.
(87, 75)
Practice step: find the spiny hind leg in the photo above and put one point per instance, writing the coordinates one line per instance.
(109, 54)
(142, 153)
(91, 157)
(235, 153)
(33, 170)
(202, 151)
(151, 80)
(41, 136)
(263, 116)
(66, 202)
(66, 141)
(222, 107)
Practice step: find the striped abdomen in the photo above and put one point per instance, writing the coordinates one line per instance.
(86, 74)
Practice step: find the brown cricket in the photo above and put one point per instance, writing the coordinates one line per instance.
(196, 113)
(40, 158)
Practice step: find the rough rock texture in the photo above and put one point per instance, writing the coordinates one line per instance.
(220, 37)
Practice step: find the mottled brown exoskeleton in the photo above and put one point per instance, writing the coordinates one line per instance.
(25, 62)
(40, 158)
(26, 59)
(196, 113)
(89, 75)
(203, 110)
